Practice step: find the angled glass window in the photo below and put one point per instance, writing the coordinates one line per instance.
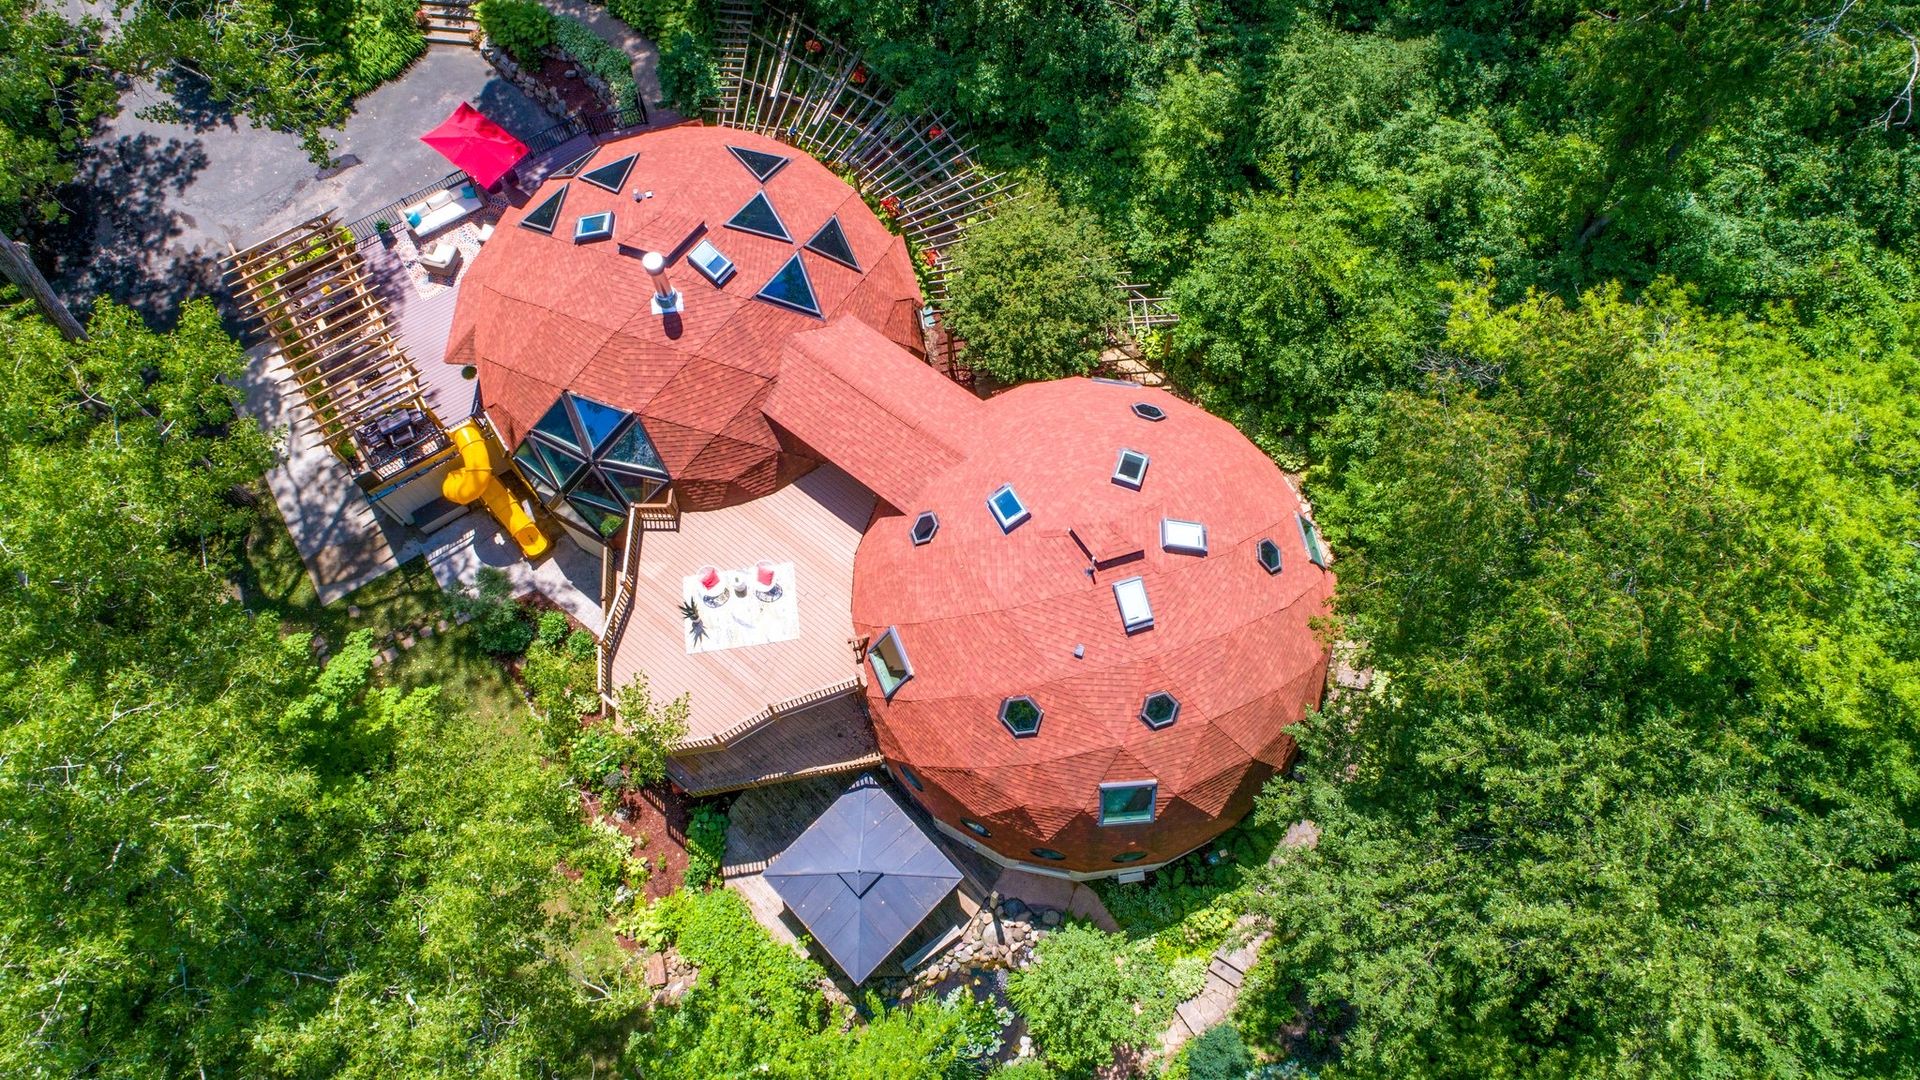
(1268, 553)
(602, 521)
(1130, 470)
(924, 527)
(575, 165)
(889, 660)
(529, 461)
(1127, 804)
(792, 288)
(1149, 412)
(595, 490)
(556, 425)
(597, 422)
(1048, 854)
(593, 227)
(975, 827)
(562, 466)
(1159, 710)
(542, 218)
(758, 218)
(1129, 856)
(635, 449)
(612, 175)
(758, 162)
(709, 261)
(1310, 536)
(1185, 537)
(632, 487)
(831, 241)
(1007, 508)
(1021, 715)
(910, 777)
(1135, 612)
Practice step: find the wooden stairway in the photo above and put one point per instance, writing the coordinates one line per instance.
(732, 32)
(450, 22)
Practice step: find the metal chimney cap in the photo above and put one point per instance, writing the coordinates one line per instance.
(653, 262)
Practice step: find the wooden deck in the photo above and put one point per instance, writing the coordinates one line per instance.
(831, 737)
(814, 522)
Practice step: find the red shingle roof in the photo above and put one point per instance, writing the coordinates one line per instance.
(986, 615)
(537, 313)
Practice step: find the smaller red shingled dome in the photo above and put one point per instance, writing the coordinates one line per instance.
(985, 616)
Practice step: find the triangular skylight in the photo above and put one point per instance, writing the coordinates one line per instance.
(612, 175)
(531, 464)
(791, 287)
(560, 464)
(594, 490)
(555, 425)
(542, 218)
(758, 218)
(831, 241)
(633, 487)
(634, 448)
(597, 420)
(758, 162)
(575, 165)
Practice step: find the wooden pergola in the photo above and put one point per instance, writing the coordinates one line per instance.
(311, 291)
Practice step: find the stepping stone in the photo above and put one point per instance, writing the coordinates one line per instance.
(1226, 972)
(406, 641)
(388, 655)
(429, 630)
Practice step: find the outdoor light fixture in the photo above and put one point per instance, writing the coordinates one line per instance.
(666, 299)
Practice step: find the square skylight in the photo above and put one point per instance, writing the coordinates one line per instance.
(1128, 803)
(1007, 508)
(1135, 612)
(1131, 469)
(707, 259)
(593, 227)
(1185, 537)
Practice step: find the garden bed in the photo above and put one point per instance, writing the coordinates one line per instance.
(655, 818)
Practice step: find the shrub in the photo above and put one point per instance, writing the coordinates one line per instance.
(1087, 993)
(689, 74)
(656, 729)
(522, 27)
(553, 628)
(381, 38)
(598, 55)
(1033, 291)
(706, 845)
(562, 688)
(594, 758)
(499, 625)
(580, 645)
(1218, 1054)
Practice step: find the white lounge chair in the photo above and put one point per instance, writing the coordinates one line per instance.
(440, 256)
(441, 209)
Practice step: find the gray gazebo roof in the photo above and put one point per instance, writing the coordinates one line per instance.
(862, 877)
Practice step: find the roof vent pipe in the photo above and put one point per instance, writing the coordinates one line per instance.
(666, 299)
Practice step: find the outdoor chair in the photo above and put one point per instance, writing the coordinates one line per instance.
(440, 257)
(713, 587)
(766, 588)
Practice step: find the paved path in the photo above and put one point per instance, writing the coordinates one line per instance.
(164, 199)
(646, 57)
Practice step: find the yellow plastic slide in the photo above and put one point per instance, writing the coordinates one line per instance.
(475, 480)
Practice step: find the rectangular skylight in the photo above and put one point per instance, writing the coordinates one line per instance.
(1131, 469)
(1007, 508)
(889, 659)
(1186, 537)
(1310, 536)
(1135, 612)
(707, 259)
(593, 226)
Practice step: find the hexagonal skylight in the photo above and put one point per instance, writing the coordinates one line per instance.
(1021, 715)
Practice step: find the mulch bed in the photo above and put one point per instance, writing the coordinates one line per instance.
(579, 98)
(656, 818)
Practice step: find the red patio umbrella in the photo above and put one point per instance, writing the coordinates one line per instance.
(476, 145)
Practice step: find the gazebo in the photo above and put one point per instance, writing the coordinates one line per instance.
(862, 877)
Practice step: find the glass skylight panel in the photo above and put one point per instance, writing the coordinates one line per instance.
(636, 449)
(1130, 856)
(1185, 537)
(792, 288)
(632, 487)
(1311, 537)
(557, 426)
(1135, 612)
(603, 522)
(530, 464)
(575, 165)
(593, 226)
(1127, 804)
(1007, 508)
(831, 241)
(1131, 469)
(598, 422)
(611, 176)
(1159, 710)
(542, 218)
(562, 466)
(707, 259)
(758, 218)
(1021, 715)
(889, 660)
(924, 527)
(595, 490)
(758, 162)
(1268, 553)
(1149, 412)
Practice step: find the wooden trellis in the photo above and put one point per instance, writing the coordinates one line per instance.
(782, 78)
(311, 291)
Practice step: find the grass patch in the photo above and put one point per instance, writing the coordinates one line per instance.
(274, 582)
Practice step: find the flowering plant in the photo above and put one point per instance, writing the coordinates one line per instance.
(814, 46)
(859, 76)
(936, 131)
(931, 256)
(891, 204)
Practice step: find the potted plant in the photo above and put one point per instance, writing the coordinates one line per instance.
(690, 611)
(385, 229)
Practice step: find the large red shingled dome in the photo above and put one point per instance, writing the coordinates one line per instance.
(538, 313)
(984, 615)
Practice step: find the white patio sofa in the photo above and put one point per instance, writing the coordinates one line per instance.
(440, 209)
